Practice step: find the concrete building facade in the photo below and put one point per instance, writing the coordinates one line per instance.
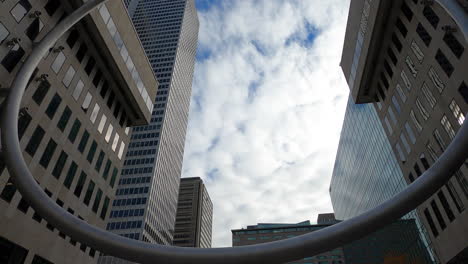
(408, 59)
(148, 189)
(74, 125)
(194, 219)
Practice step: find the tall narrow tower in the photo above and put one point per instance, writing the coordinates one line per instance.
(146, 200)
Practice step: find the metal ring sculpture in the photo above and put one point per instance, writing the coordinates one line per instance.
(275, 252)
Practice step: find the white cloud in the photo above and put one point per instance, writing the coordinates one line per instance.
(267, 110)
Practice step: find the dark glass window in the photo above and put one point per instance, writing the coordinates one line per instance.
(90, 65)
(23, 206)
(63, 121)
(23, 123)
(8, 191)
(40, 260)
(59, 165)
(41, 92)
(99, 161)
(53, 105)
(83, 141)
(392, 56)
(384, 81)
(110, 100)
(423, 34)
(444, 63)
(463, 90)
(35, 141)
(97, 77)
(12, 58)
(424, 162)
(52, 6)
(70, 175)
(74, 131)
(446, 206)
(11, 252)
(116, 110)
(454, 44)
(104, 88)
(123, 117)
(438, 215)
(92, 151)
(406, 11)
(417, 170)
(97, 201)
(33, 77)
(72, 38)
(48, 153)
(401, 27)
(411, 177)
(37, 217)
(431, 16)
(80, 184)
(34, 28)
(105, 207)
(388, 68)
(107, 169)
(430, 221)
(92, 252)
(80, 54)
(396, 42)
(114, 177)
(89, 193)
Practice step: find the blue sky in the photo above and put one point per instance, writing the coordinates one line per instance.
(268, 101)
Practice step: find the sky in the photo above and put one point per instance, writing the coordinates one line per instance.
(268, 102)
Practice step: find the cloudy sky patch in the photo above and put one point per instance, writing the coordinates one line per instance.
(267, 107)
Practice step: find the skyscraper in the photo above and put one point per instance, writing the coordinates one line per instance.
(149, 184)
(408, 58)
(74, 122)
(194, 221)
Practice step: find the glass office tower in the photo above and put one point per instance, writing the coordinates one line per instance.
(146, 200)
(366, 173)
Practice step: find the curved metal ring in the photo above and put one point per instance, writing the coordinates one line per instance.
(275, 252)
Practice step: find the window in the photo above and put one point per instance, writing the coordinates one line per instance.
(80, 54)
(457, 113)
(463, 90)
(116, 141)
(431, 223)
(20, 10)
(110, 100)
(114, 177)
(392, 56)
(34, 28)
(35, 140)
(70, 175)
(97, 200)
(116, 110)
(94, 114)
(447, 126)
(107, 169)
(410, 133)
(13, 57)
(63, 121)
(405, 79)
(86, 102)
(80, 184)
(92, 151)
(422, 109)
(23, 123)
(59, 165)
(444, 63)
(454, 44)
(407, 11)
(102, 123)
(411, 67)
(417, 51)
(72, 38)
(83, 141)
(89, 193)
(428, 95)
(110, 129)
(3, 33)
(104, 89)
(104, 13)
(396, 42)
(74, 131)
(121, 149)
(392, 115)
(78, 89)
(90, 65)
(401, 93)
(8, 191)
(41, 92)
(396, 104)
(99, 161)
(446, 206)
(401, 27)
(431, 16)
(105, 207)
(423, 34)
(48, 153)
(23, 206)
(97, 78)
(67, 79)
(53, 105)
(388, 68)
(436, 80)
(405, 143)
(40, 260)
(400, 153)
(438, 215)
(58, 62)
(455, 197)
(52, 6)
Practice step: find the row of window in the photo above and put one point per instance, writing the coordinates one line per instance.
(137, 170)
(127, 213)
(129, 201)
(130, 191)
(136, 180)
(124, 225)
